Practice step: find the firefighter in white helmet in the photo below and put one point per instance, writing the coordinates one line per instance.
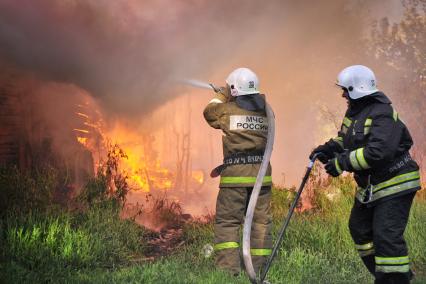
(373, 144)
(239, 111)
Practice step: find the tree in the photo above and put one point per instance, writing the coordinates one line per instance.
(402, 46)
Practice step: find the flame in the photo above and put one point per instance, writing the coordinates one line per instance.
(144, 169)
(141, 165)
(198, 176)
(82, 140)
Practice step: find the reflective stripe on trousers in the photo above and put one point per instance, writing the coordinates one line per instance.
(260, 252)
(399, 264)
(253, 251)
(226, 245)
(365, 249)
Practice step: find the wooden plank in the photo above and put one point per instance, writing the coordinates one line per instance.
(8, 117)
(12, 125)
(5, 140)
(9, 144)
(8, 105)
(6, 93)
(9, 139)
(9, 129)
(8, 161)
(9, 152)
(9, 124)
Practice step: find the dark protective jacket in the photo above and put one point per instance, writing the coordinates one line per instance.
(245, 132)
(374, 144)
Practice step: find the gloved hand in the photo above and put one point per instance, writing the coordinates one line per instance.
(221, 93)
(322, 154)
(333, 167)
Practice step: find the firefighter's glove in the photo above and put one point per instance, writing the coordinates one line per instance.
(222, 93)
(221, 97)
(333, 168)
(323, 154)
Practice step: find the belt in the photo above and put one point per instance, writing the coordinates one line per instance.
(238, 159)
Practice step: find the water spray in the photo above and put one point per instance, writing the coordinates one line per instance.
(201, 84)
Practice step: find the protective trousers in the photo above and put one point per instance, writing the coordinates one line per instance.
(378, 233)
(231, 207)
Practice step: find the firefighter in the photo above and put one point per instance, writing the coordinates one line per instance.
(373, 144)
(239, 111)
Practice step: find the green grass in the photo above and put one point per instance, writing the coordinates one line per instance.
(46, 245)
(95, 246)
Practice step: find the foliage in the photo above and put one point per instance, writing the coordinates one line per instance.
(33, 237)
(23, 191)
(96, 246)
(166, 211)
(281, 201)
(109, 183)
(96, 238)
(317, 249)
(402, 46)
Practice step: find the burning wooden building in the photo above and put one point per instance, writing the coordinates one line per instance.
(12, 144)
(29, 136)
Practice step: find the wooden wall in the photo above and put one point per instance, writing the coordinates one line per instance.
(10, 127)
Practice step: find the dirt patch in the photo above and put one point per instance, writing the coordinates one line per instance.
(165, 221)
(164, 243)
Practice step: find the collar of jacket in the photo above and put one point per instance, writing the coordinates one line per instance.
(253, 102)
(355, 106)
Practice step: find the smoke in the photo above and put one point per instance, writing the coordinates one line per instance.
(131, 52)
(131, 55)
(128, 52)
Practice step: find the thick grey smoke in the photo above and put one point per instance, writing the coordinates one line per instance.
(130, 54)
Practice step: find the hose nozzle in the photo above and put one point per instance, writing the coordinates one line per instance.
(215, 89)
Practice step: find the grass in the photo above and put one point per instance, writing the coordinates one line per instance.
(97, 238)
(96, 246)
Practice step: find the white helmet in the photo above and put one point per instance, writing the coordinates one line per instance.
(359, 80)
(243, 81)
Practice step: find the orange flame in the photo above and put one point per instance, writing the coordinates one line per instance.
(143, 169)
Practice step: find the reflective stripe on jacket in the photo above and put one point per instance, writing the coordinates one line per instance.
(374, 144)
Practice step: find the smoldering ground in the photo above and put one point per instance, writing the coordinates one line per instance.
(130, 54)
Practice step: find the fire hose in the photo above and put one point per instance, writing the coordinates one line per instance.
(258, 184)
(248, 263)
